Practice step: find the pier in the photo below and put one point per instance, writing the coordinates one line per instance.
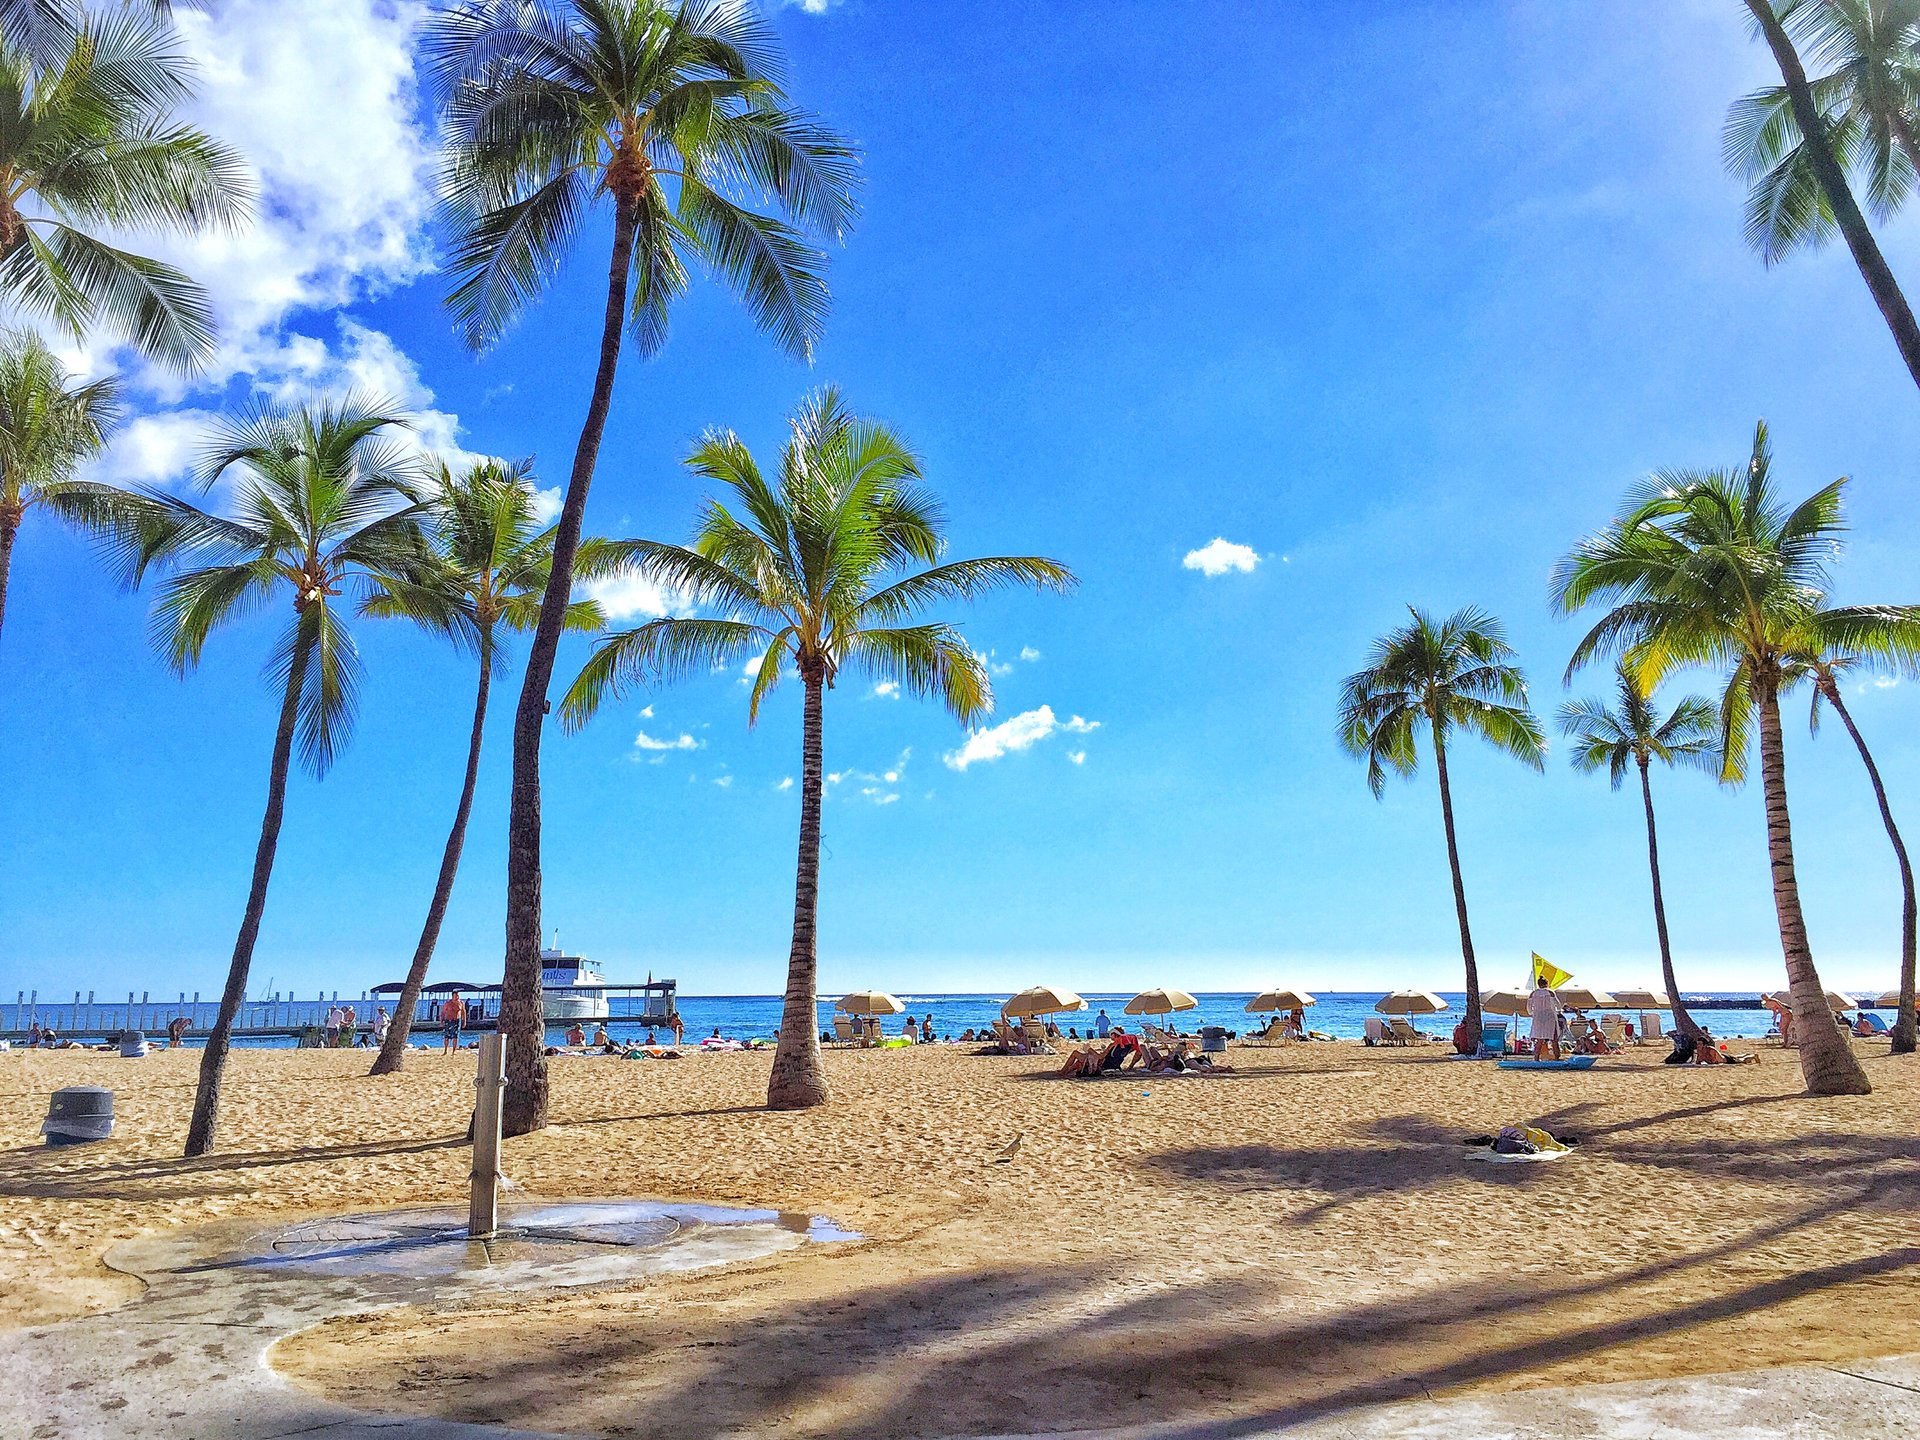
(285, 1018)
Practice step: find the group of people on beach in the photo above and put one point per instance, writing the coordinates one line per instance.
(1122, 1051)
(342, 1030)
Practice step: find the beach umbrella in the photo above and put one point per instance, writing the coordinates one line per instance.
(1581, 997)
(1041, 1000)
(1783, 1000)
(1159, 1002)
(1504, 1002)
(1410, 1002)
(1280, 1000)
(1636, 997)
(868, 1002)
(1888, 1001)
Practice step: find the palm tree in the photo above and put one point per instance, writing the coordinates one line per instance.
(819, 570)
(48, 426)
(321, 495)
(1455, 675)
(1633, 732)
(90, 142)
(1794, 143)
(1826, 659)
(1707, 568)
(661, 109)
(486, 568)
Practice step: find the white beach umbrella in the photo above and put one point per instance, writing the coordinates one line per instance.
(1041, 1000)
(1581, 997)
(1280, 1000)
(1638, 997)
(1783, 1000)
(869, 1002)
(1410, 1002)
(1161, 1002)
(1504, 1002)
(1888, 1001)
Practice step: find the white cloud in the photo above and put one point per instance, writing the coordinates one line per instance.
(1029, 654)
(683, 741)
(786, 783)
(887, 690)
(1022, 732)
(647, 714)
(622, 597)
(723, 781)
(1219, 555)
(1078, 757)
(547, 503)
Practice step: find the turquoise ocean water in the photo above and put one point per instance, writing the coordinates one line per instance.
(747, 1017)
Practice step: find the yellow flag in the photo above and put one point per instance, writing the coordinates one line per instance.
(1546, 970)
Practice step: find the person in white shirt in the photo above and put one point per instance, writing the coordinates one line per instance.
(381, 1020)
(1543, 1011)
(335, 1019)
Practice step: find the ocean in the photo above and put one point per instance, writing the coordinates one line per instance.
(747, 1017)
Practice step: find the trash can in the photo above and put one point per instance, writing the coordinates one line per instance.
(79, 1114)
(1213, 1039)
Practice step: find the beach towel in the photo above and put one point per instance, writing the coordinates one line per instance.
(1494, 1157)
(1572, 1062)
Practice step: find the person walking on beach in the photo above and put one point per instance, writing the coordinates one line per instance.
(334, 1021)
(381, 1021)
(453, 1014)
(679, 1028)
(1543, 1011)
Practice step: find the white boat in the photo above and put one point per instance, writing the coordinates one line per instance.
(570, 987)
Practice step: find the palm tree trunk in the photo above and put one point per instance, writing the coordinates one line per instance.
(1833, 182)
(1826, 1052)
(393, 1051)
(522, 1021)
(1903, 1025)
(10, 513)
(798, 1080)
(1459, 887)
(1686, 1022)
(213, 1059)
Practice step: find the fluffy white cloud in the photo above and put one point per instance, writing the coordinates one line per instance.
(1022, 732)
(786, 783)
(723, 781)
(1077, 757)
(1219, 555)
(683, 741)
(887, 690)
(1029, 654)
(622, 597)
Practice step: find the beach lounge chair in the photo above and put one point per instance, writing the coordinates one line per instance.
(843, 1030)
(1403, 1032)
(1493, 1042)
(1615, 1029)
(1034, 1033)
(1649, 1031)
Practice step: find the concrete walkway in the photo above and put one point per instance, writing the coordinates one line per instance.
(188, 1361)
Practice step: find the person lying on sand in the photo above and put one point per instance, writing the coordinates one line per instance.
(1089, 1061)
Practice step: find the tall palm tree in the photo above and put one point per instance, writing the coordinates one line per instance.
(821, 569)
(662, 110)
(1458, 674)
(1633, 732)
(321, 496)
(485, 569)
(1826, 659)
(89, 142)
(1708, 568)
(1795, 143)
(48, 426)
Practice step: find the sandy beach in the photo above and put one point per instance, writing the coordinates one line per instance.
(1304, 1235)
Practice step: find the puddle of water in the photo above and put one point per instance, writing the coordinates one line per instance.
(558, 1243)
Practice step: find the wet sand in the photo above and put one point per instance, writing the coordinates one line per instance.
(1299, 1237)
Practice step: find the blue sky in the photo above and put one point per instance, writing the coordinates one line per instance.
(1401, 302)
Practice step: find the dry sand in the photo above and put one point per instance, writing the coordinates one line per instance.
(1297, 1238)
